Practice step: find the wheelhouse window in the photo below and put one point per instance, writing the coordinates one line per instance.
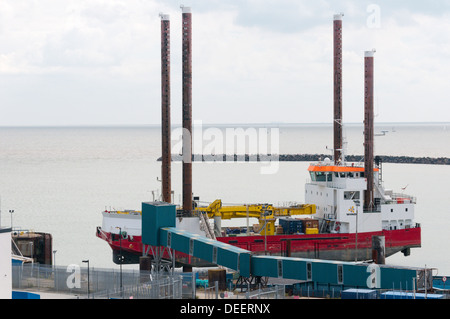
(322, 177)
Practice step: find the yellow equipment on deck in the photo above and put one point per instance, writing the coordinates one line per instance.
(266, 213)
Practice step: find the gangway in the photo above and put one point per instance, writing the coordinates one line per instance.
(159, 229)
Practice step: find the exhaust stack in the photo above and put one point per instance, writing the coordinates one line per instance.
(337, 82)
(187, 109)
(368, 130)
(165, 109)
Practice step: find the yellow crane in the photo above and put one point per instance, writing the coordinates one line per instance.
(266, 213)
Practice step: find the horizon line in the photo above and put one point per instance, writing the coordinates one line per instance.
(210, 124)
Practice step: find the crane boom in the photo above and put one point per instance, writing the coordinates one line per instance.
(266, 213)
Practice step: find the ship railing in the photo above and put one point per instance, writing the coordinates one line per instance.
(337, 185)
(343, 183)
(333, 185)
(15, 250)
(18, 231)
(124, 212)
(400, 198)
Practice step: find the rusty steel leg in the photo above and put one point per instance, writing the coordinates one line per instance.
(165, 109)
(368, 130)
(187, 109)
(337, 83)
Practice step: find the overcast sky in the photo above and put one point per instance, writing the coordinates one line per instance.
(97, 62)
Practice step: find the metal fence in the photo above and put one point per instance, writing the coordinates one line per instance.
(212, 292)
(167, 287)
(275, 292)
(83, 282)
(100, 283)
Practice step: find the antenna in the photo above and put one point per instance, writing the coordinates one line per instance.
(383, 133)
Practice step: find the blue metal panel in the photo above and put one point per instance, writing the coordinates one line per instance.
(265, 266)
(325, 272)
(227, 258)
(234, 258)
(355, 275)
(156, 215)
(180, 240)
(397, 278)
(204, 249)
(295, 268)
(383, 276)
(245, 264)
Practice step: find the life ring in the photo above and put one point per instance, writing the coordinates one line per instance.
(337, 226)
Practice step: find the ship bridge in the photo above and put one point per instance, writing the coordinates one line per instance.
(338, 176)
(337, 191)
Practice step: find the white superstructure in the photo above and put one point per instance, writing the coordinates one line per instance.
(129, 222)
(5, 264)
(338, 193)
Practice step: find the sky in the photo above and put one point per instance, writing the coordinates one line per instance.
(97, 62)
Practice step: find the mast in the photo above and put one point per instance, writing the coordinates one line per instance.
(368, 129)
(337, 82)
(187, 109)
(165, 109)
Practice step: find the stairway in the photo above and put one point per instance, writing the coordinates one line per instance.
(206, 226)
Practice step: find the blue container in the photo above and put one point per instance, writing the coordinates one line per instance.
(291, 225)
(233, 231)
(24, 295)
(359, 294)
(156, 215)
(409, 295)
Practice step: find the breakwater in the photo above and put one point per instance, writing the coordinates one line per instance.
(312, 158)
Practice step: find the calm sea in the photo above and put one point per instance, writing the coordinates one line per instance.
(60, 179)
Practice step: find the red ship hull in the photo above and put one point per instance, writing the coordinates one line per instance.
(344, 247)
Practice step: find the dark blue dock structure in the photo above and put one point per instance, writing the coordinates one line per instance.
(158, 229)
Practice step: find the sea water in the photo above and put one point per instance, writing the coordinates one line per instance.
(60, 179)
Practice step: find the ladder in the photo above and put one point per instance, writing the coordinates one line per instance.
(205, 225)
(328, 222)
